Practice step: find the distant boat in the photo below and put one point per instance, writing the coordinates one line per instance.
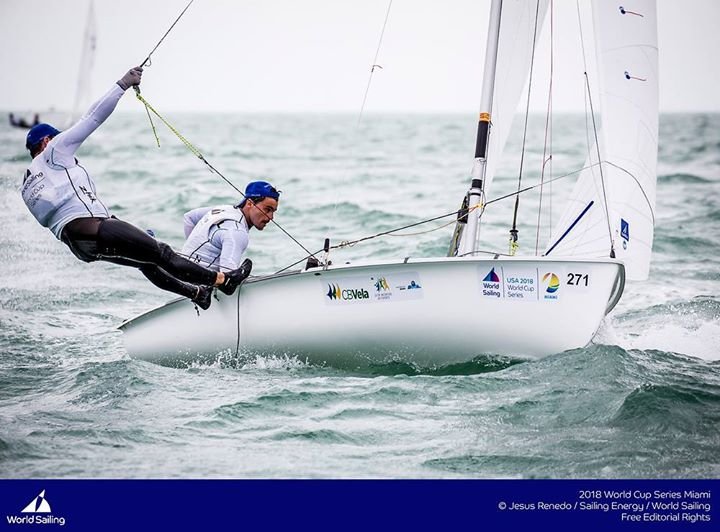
(450, 309)
(22, 123)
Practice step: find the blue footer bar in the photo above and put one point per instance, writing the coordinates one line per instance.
(358, 504)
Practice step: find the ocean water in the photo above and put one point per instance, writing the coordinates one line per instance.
(642, 401)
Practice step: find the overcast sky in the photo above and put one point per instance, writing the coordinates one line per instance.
(309, 55)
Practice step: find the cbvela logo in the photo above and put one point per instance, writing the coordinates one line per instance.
(37, 512)
(336, 293)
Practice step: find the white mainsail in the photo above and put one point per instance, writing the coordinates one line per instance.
(87, 60)
(616, 199)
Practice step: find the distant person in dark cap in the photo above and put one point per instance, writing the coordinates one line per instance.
(21, 122)
(61, 195)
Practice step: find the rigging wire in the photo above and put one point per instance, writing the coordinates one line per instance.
(148, 62)
(375, 64)
(548, 126)
(348, 243)
(514, 230)
(597, 143)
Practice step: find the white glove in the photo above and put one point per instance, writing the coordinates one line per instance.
(132, 78)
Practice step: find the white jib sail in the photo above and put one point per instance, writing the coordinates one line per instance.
(627, 58)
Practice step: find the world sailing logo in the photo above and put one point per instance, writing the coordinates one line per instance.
(36, 511)
(38, 505)
(491, 285)
(491, 277)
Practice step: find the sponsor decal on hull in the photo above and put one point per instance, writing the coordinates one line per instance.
(370, 289)
(550, 287)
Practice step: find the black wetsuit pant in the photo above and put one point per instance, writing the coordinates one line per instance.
(112, 240)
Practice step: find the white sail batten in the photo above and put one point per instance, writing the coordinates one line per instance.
(627, 58)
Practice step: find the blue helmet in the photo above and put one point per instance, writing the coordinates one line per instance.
(39, 132)
(261, 189)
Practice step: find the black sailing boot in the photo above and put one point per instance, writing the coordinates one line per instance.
(203, 298)
(235, 277)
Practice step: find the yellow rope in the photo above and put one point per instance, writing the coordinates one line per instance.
(185, 141)
(514, 246)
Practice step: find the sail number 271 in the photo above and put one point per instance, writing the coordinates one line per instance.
(578, 279)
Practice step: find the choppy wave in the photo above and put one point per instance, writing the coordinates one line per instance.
(683, 178)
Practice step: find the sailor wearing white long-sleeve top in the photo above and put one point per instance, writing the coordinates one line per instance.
(218, 236)
(62, 196)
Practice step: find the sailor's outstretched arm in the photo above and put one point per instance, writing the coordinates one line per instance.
(68, 142)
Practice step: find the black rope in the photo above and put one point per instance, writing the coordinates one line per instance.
(147, 61)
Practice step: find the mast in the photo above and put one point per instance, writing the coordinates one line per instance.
(468, 242)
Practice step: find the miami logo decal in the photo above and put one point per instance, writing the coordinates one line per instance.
(553, 283)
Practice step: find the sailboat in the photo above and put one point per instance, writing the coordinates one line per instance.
(444, 310)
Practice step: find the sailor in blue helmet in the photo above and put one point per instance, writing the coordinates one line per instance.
(218, 236)
(62, 196)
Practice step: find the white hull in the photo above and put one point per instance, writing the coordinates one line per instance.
(424, 311)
